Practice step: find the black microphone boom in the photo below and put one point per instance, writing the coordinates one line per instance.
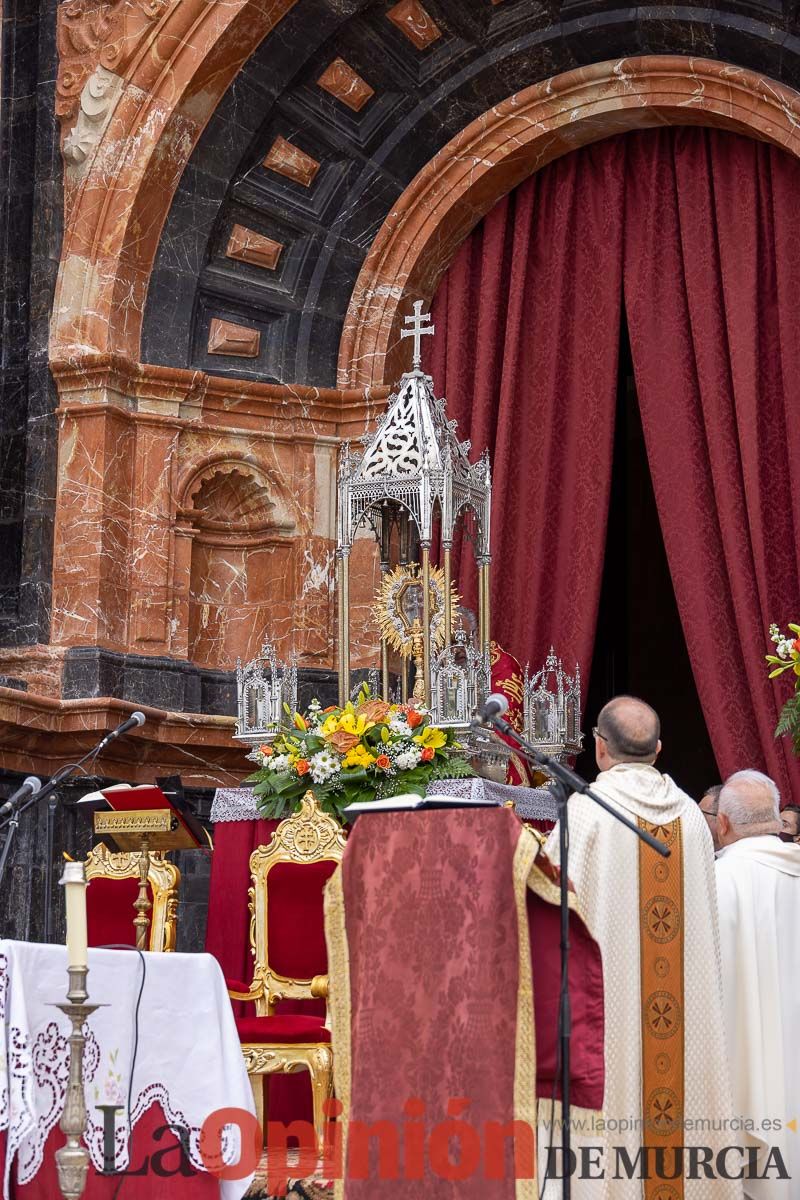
(31, 785)
(134, 720)
(23, 799)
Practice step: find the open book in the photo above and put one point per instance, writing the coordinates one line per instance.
(409, 801)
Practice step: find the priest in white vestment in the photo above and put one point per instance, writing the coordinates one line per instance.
(667, 1082)
(758, 883)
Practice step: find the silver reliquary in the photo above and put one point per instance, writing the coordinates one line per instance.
(263, 686)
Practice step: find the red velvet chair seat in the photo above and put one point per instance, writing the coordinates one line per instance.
(288, 1028)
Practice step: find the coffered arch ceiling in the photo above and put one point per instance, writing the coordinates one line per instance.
(329, 121)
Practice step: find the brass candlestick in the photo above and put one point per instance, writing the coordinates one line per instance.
(72, 1160)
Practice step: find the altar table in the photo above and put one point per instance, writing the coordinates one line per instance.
(188, 1064)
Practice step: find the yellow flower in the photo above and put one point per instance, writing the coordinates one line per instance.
(300, 722)
(359, 756)
(350, 723)
(330, 724)
(431, 736)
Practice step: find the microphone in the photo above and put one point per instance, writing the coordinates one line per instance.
(134, 720)
(495, 706)
(31, 784)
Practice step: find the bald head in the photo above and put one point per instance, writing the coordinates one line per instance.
(629, 730)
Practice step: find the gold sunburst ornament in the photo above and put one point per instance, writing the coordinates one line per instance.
(399, 608)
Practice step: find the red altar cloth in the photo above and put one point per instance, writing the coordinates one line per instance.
(168, 1176)
(443, 944)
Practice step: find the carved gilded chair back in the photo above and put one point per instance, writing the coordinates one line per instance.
(306, 838)
(164, 879)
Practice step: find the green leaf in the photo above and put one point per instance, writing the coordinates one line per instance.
(789, 719)
(454, 768)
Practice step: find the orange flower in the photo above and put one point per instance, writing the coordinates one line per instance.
(302, 766)
(373, 710)
(266, 750)
(330, 708)
(796, 645)
(414, 718)
(342, 741)
(427, 754)
(383, 761)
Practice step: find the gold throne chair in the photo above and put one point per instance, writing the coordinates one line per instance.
(287, 940)
(110, 910)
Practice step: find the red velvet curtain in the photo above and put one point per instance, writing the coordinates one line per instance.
(527, 335)
(527, 321)
(712, 282)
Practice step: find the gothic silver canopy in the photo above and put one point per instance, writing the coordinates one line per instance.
(413, 480)
(415, 459)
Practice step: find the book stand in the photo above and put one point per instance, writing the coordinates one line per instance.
(155, 825)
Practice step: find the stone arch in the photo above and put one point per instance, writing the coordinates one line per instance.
(135, 88)
(493, 154)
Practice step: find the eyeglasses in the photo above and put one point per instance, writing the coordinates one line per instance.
(600, 735)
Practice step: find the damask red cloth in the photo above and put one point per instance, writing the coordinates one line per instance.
(527, 325)
(701, 223)
(434, 1004)
(712, 280)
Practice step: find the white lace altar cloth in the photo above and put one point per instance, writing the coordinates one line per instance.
(538, 804)
(188, 1058)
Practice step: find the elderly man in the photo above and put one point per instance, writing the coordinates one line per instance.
(656, 922)
(790, 823)
(758, 884)
(708, 807)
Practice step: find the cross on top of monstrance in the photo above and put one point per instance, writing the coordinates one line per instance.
(416, 320)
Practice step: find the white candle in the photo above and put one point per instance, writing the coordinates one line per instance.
(74, 881)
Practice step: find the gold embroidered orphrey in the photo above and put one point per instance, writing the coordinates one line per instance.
(661, 954)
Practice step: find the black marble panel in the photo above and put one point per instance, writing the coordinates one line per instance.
(176, 686)
(30, 227)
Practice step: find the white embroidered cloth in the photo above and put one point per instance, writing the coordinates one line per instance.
(239, 804)
(188, 1058)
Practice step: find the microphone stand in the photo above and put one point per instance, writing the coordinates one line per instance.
(566, 782)
(12, 824)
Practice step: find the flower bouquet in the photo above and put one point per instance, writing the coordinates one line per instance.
(787, 658)
(362, 752)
